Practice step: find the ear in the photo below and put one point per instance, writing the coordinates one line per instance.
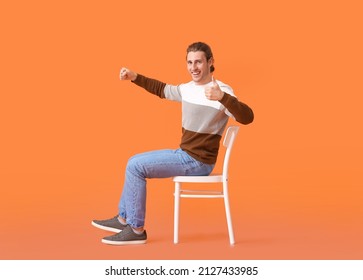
(211, 61)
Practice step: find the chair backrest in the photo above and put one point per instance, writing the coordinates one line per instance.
(228, 142)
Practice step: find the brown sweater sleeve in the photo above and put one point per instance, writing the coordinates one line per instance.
(151, 85)
(241, 112)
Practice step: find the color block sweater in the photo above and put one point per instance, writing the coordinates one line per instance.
(203, 120)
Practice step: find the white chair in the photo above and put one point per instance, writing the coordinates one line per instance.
(228, 141)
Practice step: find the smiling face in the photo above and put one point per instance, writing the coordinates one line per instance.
(199, 67)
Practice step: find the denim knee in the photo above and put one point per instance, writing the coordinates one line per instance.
(135, 166)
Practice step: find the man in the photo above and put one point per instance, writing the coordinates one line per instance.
(206, 106)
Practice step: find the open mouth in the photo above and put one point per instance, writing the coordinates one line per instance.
(196, 74)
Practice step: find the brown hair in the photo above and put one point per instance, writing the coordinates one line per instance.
(203, 47)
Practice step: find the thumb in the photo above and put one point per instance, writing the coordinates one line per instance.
(214, 81)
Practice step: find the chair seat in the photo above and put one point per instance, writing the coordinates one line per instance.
(213, 178)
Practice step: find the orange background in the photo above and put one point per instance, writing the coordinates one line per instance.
(68, 126)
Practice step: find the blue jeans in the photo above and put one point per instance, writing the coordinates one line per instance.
(155, 164)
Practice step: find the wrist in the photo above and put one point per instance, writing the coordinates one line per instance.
(134, 76)
(224, 98)
(221, 95)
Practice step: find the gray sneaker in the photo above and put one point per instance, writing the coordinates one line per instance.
(112, 224)
(125, 237)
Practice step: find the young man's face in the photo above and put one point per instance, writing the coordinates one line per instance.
(199, 67)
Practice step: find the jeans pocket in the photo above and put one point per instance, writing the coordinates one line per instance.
(198, 168)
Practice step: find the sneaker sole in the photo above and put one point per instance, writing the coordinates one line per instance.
(131, 242)
(106, 228)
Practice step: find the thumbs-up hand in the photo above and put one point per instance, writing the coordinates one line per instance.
(213, 92)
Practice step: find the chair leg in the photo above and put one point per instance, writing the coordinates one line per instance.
(176, 212)
(228, 215)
